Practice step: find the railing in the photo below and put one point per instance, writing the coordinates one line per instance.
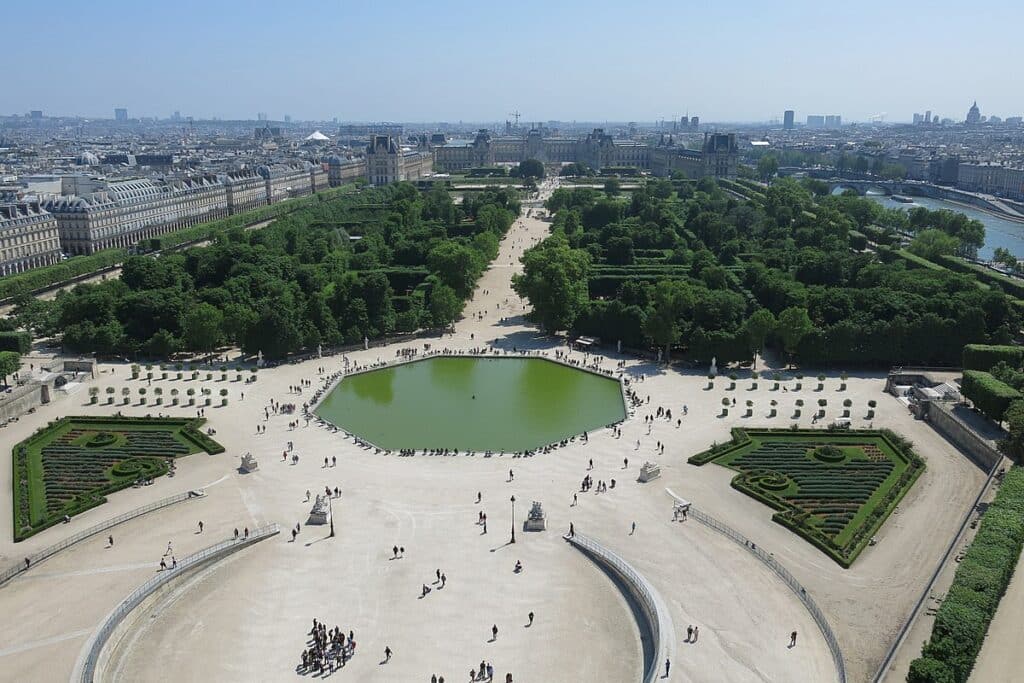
(783, 573)
(658, 621)
(115, 618)
(41, 555)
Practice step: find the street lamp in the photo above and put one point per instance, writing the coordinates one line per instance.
(330, 507)
(513, 520)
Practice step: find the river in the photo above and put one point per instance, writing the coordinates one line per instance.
(999, 232)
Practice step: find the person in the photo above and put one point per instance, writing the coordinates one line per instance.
(572, 530)
(246, 532)
(163, 564)
(444, 580)
(110, 541)
(433, 678)
(294, 534)
(792, 639)
(394, 552)
(478, 496)
(200, 526)
(236, 533)
(696, 633)
(575, 499)
(169, 549)
(174, 562)
(530, 615)
(633, 529)
(494, 632)
(387, 653)
(519, 567)
(425, 590)
(668, 665)
(689, 633)
(510, 475)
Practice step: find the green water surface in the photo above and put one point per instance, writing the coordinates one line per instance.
(498, 404)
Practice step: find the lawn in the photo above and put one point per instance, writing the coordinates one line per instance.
(70, 465)
(834, 488)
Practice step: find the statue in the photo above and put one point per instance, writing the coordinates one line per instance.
(537, 519)
(259, 359)
(659, 355)
(321, 512)
(249, 463)
(319, 351)
(366, 343)
(714, 366)
(649, 471)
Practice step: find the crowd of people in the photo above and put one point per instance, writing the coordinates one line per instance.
(328, 650)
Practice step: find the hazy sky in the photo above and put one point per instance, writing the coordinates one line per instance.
(725, 60)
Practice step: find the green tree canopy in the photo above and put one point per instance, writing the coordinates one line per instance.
(203, 327)
(671, 299)
(554, 279)
(10, 361)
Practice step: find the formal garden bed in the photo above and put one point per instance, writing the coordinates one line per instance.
(834, 488)
(71, 464)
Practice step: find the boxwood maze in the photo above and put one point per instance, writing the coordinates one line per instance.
(70, 465)
(833, 488)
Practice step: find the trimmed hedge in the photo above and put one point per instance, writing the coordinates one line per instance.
(1011, 286)
(37, 278)
(984, 356)
(988, 394)
(20, 342)
(978, 585)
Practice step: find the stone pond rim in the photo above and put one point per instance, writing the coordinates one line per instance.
(473, 403)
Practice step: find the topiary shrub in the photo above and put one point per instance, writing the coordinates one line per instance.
(828, 453)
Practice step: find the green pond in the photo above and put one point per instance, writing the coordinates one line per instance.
(479, 404)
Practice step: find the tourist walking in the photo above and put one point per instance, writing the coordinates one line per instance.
(530, 616)
(494, 632)
(387, 653)
(668, 665)
(792, 639)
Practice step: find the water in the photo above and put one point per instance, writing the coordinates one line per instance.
(498, 404)
(999, 232)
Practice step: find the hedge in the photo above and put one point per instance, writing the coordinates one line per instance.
(988, 394)
(21, 342)
(37, 278)
(1010, 285)
(984, 356)
(978, 585)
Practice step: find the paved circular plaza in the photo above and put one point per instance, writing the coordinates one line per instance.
(247, 617)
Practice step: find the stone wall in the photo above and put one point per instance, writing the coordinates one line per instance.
(982, 451)
(23, 398)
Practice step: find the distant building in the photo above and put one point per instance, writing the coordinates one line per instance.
(974, 114)
(245, 191)
(928, 116)
(833, 121)
(788, 118)
(387, 162)
(918, 119)
(718, 156)
(36, 114)
(994, 179)
(120, 114)
(29, 237)
(815, 121)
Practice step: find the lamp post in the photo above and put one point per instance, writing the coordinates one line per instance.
(330, 507)
(513, 520)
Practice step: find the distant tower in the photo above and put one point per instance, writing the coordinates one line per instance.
(974, 114)
(788, 117)
(120, 114)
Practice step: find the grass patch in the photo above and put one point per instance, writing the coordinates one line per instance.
(70, 465)
(833, 488)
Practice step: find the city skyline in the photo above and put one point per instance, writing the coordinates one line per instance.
(450, 62)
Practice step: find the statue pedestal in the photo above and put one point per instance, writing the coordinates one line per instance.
(537, 519)
(649, 472)
(249, 463)
(321, 512)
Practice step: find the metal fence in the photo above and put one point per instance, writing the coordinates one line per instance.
(114, 619)
(41, 555)
(789, 579)
(658, 621)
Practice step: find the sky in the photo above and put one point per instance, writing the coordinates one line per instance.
(450, 60)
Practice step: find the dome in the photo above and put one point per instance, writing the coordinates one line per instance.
(88, 159)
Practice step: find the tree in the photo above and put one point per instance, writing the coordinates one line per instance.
(10, 361)
(445, 305)
(932, 243)
(767, 167)
(793, 325)
(554, 279)
(612, 187)
(531, 168)
(672, 298)
(456, 265)
(757, 327)
(203, 327)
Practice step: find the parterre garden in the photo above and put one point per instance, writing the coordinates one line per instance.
(70, 465)
(834, 488)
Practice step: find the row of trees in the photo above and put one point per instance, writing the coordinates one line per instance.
(382, 261)
(683, 266)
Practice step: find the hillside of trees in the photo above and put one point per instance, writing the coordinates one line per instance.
(697, 271)
(381, 261)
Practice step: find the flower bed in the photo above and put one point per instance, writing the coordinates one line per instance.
(70, 465)
(834, 489)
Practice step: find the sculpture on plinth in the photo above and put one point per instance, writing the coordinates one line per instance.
(649, 471)
(249, 463)
(714, 366)
(259, 359)
(321, 512)
(537, 520)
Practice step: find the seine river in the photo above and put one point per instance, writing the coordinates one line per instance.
(999, 232)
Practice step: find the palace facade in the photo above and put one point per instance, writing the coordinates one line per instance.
(28, 237)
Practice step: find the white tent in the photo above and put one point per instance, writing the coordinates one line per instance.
(317, 136)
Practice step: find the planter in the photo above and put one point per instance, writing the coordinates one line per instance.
(174, 401)
(223, 402)
(178, 376)
(732, 386)
(191, 401)
(223, 377)
(159, 401)
(163, 375)
(207, 402)
(753, 386)
(871, 415)
(846, 413)
(796, 413)
(775, 386)
(821, 387)
(798, 386)
(842, 387)
(93, 400)
(773, 413)
(110, 400)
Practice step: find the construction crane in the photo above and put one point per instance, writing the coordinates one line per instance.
(515, 115)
